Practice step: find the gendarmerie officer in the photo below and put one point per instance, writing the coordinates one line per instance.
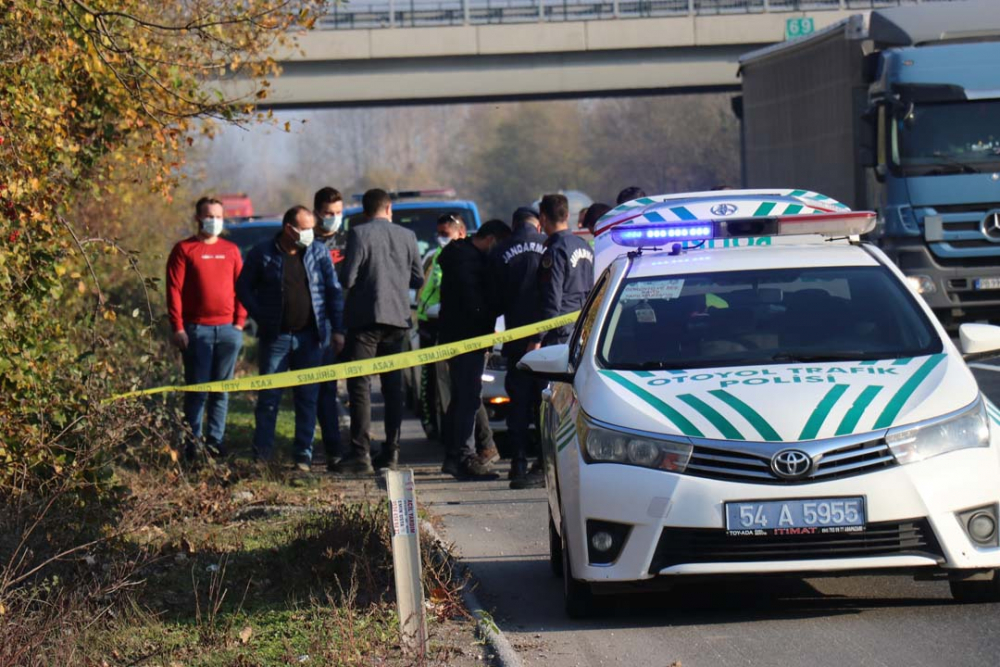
(514, 281)
(566, 270)
(565, 276)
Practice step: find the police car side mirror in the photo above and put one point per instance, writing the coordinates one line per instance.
(548, 363)
(979, 341)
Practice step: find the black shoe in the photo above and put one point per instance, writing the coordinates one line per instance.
(388, 458)
(533, 480)
(450, 466)
(518, 470)
(354, 466)
(215, 450)
(475, 470)
(331, 463)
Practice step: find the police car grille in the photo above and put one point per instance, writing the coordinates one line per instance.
(854, 459)
(679, 546)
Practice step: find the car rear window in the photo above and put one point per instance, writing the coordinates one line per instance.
(764, 316)
(247, 237)
(423, 222)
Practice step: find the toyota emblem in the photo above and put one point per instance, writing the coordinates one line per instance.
(990, 226)
(791, 464)
(723, 209)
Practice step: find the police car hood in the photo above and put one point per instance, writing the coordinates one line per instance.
(780, 403)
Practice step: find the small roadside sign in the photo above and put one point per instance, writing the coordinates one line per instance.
(799, 27)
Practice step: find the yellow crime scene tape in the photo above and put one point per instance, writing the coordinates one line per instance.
(352, 369)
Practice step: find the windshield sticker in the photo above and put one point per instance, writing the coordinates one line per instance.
(645, 315)
(653, 289)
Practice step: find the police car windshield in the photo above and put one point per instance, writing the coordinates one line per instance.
(764, 316)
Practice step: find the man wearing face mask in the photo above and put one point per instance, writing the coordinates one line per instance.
(207, 320)
(289, 287)
(328, 206)
(466, 312)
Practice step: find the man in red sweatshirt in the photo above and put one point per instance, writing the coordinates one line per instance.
(207, 321)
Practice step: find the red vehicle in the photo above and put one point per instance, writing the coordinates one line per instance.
(236, 205)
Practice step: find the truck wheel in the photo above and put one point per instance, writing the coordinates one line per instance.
(984, 590)
(555, 549)
(578, 597)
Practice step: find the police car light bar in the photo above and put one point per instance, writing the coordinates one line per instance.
(838, 225)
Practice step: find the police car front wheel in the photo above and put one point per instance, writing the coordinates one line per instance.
(579, 598)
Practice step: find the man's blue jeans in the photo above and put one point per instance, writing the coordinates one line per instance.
(327, 409)
(289, 351)
(210, 355)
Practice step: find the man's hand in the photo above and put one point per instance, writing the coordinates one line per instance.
(238, 327)
(338, 343)
(534, 345)
(180, 339)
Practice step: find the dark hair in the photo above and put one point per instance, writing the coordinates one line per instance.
(630, 193)
(374, 201)
(522, 215)
(205, 201)
(495, 228)
(452, 220)
(594, 214)
(292, 213)
(326, 196)
(555, 208)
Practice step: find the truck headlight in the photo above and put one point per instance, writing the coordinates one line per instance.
(970, 428)
(607, 446)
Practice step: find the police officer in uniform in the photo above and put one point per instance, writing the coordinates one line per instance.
(566, 271)
(514, 283)
(565, 276)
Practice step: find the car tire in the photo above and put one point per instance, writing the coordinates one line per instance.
(578, 597)
(555, 548)
(983, 590)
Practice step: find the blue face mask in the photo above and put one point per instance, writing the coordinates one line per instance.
(443, 240)
(331, 223)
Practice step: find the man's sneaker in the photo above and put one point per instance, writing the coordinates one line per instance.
(450, 467)
(474, 469)
(355, 466)
(302, 466)
(489, 455)
(387, 458)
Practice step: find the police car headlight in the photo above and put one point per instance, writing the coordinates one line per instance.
(607, 446)
(963, 431)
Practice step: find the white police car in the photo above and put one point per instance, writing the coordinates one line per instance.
(751, 390)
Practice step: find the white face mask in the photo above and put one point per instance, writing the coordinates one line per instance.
(211, 226)
(305, 238)
(444, 240)
(331, 224)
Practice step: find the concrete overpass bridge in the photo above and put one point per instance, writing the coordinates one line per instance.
(374, 52)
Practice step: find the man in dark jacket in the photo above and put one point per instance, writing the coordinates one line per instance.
(289, 288)
(381, 265)
(466, 312)
(514, 283)
(566, 270)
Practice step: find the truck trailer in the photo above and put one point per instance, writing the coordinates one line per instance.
(896, 110)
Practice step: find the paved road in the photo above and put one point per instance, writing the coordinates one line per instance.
(502, 535)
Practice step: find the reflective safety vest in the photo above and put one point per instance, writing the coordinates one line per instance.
(430, 293)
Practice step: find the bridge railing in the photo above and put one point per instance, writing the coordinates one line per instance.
(367, 14)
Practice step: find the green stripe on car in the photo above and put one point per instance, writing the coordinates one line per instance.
(819, 415)
(680, 421)
(793, 209)
(861, 404)
(725, 427)
(896, 403)
(764, 209)
(748, 413)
